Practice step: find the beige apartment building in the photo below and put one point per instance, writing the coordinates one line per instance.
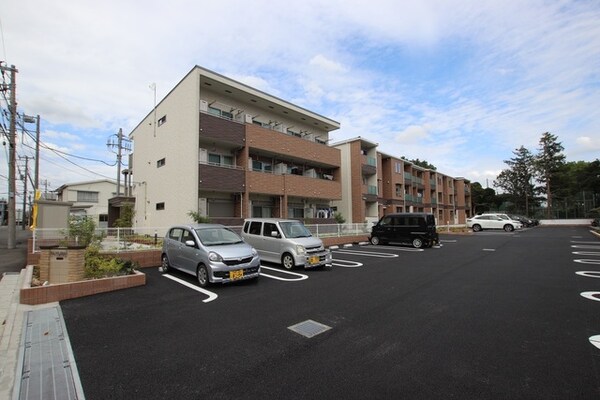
(228, 151)
(375, 184)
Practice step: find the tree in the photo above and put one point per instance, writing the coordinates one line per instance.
(547, 164)
(482, 199)
(420, 163)
(126, 215)
(516, 181)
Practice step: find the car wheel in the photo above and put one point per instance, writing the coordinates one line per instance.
(509, 228)
(164, 265)
(202, 274)
(476, 228)
(287, 261)
(375, 240)
(417, 243)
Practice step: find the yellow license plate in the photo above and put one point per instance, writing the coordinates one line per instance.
(239, 274)
(313, 260)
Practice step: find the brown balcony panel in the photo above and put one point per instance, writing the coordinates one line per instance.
(291, 147)
(221, 130)
(293, 185)
(223, 179)
(368, 170)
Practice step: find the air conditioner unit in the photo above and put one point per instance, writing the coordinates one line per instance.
(310, 173)
(204, 105)
(202, 156)
(248, 118)
(280, 169)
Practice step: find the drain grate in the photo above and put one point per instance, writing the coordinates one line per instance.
(309, 328)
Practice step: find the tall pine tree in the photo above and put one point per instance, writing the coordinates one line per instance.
(548, 162)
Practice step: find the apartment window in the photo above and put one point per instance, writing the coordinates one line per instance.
(220, 113)
(398, 167)
(160, 162)
(220, 159)
(261, 166)
(87, 197)
(103, 218)
(162, 120)
(399, 190)
(160, 206)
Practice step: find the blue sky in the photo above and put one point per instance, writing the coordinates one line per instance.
(458, 83)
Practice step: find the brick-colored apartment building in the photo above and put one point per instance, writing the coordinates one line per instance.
(375, 184)
(228, 151)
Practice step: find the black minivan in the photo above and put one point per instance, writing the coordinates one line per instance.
(417, 229)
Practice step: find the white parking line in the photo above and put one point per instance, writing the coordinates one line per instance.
(585, 246)
(211, 296)
(489, 249)
(591, 295)
(586, 242)
(346, 263)
(586, 261)
(586, 253)
(448, 241)
(595, 340)
(589, 274)
(367, 253)
(394, 248)
(301, 277)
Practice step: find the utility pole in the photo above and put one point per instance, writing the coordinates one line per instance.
(36, 119)
(23, 223)
(120, 147)
(12, 135)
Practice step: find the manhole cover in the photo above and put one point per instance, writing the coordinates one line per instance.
(309, 328)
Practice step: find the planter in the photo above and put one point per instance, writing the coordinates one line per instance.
(64, 291)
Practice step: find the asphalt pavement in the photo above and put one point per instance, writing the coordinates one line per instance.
(492, 315)
(13, 260)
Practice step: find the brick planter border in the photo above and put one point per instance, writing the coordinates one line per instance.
(64, 291)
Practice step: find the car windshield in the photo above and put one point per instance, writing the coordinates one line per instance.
(217, 236)
(294, 230)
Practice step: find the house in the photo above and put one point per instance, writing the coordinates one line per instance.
(225, 150)
(89, 199)
(375, 184)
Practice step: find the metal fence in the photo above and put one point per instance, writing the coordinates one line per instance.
(136, 239)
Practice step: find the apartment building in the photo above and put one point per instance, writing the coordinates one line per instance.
(375, 184)
(228, 151)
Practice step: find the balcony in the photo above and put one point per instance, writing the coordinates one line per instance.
(221, 178)
(293, 185)
(221, 131)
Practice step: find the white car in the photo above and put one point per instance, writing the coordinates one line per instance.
(493, 221)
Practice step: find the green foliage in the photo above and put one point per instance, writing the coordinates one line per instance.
(100, 266)
(517, 179)
(200, 219)
(126, 215)
(421, 163)
(339, 218)
(81, 230)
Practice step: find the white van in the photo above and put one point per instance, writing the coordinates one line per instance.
(286, 242)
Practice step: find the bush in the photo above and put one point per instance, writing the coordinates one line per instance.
(339, 218)
(99, 266)
(200, 219)
(81, 230)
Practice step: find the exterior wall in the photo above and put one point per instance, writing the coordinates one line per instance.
(176, 182)
(345, 205)
(105, 189)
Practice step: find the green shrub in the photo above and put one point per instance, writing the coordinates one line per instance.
(100, 266)
(200, 219)
(339, 218)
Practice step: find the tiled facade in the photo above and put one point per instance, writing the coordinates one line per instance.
(255, 156)
(379, 184)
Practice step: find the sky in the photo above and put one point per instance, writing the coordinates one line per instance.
(458, 83)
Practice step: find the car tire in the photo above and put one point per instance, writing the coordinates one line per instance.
(375, 240)
(476, 228)
(287, 261)
(202, 275)
(165, 267)
(509, 228)
(417, 243)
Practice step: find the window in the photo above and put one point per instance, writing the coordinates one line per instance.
(220, 159)
(399, 190)
(398, 167)
(269, 228)
(261, 166)
(160, 162)
(220, 113)
(160, 206)
(103, 218)
(87, 197)
(162, 120)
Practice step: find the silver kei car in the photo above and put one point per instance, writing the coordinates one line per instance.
(211, 252)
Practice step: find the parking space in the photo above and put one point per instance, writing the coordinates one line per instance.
(384, 322)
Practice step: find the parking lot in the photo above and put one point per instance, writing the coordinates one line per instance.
(489, 315)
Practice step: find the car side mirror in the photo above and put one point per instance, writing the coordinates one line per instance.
(190, 243)
(274, 234)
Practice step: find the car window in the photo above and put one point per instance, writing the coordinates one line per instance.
(217, 236)
(386, 221)
(294, 230)
(187, 235)
(175, 234)
(254, 228)
(269, 228)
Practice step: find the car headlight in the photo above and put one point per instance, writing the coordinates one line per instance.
(254, 252)
(300, 249)
(214, 257)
